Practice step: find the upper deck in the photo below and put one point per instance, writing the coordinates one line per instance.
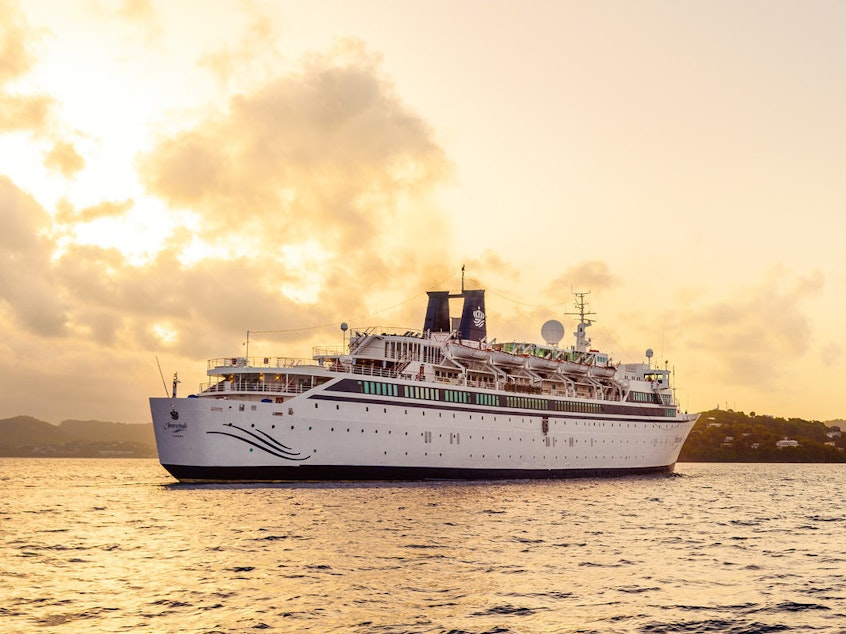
(440, 360)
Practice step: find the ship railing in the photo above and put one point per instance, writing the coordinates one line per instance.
(371, 371)
(390, 331)
(332, 351)
(257, 362)
(270, 387)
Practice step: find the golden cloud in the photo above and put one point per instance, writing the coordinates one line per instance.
(327, 156)
(64, 159)
(589, 275)
(27, 287)
(15, 42)
(754, 336)
(65, 212)
(254, 54)
(324, 173)
(24, 112)
(18, 112)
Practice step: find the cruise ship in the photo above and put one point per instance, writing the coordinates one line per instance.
(443, 402)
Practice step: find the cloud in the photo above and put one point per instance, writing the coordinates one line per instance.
(832, 354)
(27, 289)
(16, 56)
(756, 335)
(136, 10)
(326, 159)
(65, 212)
(140, 15)
(588, 275)
(116, 304)
(313, 200)
(18, 112)
(491, 264)
(255, 54)
(23, 112)
(63, 158)
(321, 177)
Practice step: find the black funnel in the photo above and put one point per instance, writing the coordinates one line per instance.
(473, 318)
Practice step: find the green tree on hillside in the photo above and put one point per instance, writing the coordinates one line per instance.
(729, 436)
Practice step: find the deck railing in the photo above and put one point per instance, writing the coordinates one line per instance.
(270, 387)
(258, 362)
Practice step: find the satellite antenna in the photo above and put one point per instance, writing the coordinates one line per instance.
(552, 332)
(649, 354)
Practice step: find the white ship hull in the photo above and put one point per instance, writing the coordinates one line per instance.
(331, 433)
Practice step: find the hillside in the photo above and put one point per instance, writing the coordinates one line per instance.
(729, 436)
(25, 436)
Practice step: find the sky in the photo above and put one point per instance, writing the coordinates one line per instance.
(174, 174)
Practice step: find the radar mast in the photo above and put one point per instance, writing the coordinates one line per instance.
(582, 340)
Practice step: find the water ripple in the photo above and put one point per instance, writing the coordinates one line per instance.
(116, 546)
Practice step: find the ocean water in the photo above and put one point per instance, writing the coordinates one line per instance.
(118, 546)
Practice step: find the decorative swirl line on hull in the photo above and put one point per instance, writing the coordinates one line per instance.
(269, 444)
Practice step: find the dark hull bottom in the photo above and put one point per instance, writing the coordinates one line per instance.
(338, 473)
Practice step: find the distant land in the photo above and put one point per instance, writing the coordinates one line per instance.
(24, 436)
(729, 436)
(718, 436)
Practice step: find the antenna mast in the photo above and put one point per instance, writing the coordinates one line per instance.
(582, 340)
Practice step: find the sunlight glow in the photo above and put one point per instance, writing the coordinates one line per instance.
(307, 261)
(165, 332)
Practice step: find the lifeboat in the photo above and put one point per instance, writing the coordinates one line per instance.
(466, 353)
(502, 358)
(602, 371)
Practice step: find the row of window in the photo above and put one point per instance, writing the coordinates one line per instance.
(526, 402)
(577, 406)
(376, 387)
(492, 400)
(643, 397)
